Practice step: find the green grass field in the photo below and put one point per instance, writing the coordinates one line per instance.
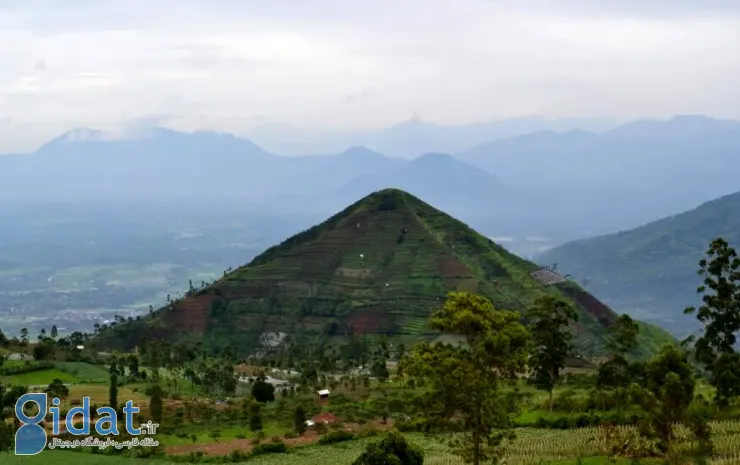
(40, 377)
(85, 372)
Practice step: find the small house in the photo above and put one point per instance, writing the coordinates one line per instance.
(323, 394)
(80, 347)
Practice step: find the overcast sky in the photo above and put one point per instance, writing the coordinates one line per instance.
(232, 64)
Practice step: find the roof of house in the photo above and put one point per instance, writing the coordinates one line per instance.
(323, 392)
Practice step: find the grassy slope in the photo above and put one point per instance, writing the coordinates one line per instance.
(650, 271)
(380, 266)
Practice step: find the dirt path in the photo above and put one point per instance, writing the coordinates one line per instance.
(224, 447)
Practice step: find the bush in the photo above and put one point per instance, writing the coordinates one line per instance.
(567, 400)
(393, 449)
(367, 433)
(335, 437)
(270, 448)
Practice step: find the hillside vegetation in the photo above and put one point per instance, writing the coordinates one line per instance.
(378, 267)
(650, 272)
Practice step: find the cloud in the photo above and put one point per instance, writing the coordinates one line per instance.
(216, 64)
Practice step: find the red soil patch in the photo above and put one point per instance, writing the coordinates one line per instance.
(244, 445)
(369, 321)
(327, 418)
(191, 314)
(592, 305)
(451, 267)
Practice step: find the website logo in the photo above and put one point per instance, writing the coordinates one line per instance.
(31, 438)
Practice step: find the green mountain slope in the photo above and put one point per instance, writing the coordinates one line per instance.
(650, 272)
(380, 266)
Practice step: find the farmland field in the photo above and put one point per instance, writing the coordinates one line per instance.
(532, 447)
(40, 377)
(85, 372)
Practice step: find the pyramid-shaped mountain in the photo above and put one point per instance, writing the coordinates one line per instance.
(381, 266)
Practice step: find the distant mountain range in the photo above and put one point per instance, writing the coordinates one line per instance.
(414, 137)
(650, 272)
(562, 185)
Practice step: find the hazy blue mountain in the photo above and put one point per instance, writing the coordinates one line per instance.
(624, 177)
(650, 271)
(411, 138)
(438, 178)
(560, 185)
(85, 164)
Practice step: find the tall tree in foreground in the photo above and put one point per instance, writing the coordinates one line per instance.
(155, 403)
(299, 420)
(113, 391)
(464, 380)
(666, 395)
(622, 336)
(720, 314)
(549, 321)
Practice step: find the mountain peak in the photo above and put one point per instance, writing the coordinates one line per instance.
(380, 266)
(361, 152)
(435, 157)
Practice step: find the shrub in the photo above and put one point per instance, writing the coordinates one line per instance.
(336, 436)
(270, 448)
(392, 449)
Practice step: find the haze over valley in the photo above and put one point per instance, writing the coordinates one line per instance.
(103, 225)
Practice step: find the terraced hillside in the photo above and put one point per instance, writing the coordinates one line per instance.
(380, 266)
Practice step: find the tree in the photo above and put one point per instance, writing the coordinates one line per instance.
(379, 369)
(3, 339)
(42, 351)
(113, 391)
(133, 365)
(622, 336)
(720, 314)
(57, 389)
(155, 404)
(666, 395)
(255, 417)
(6, 437)
(393, 449)
(263, 391)
(464, 379)
(550, 321)
(726, 378)
(24, 335)
(54, 332)
(299, 420)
